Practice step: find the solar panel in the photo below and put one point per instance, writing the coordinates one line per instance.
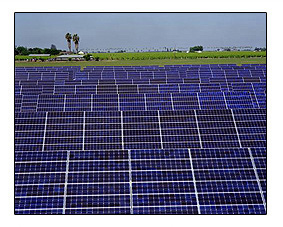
(178, 139)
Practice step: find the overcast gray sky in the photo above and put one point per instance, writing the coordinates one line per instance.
(140, 30)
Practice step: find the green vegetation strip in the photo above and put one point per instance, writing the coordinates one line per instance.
(165, 55)
(161, 62)
(178, 55)
(23, 57)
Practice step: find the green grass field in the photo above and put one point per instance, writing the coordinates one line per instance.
(23, 57)
(160, 62)
(165, 55)
(178, 55)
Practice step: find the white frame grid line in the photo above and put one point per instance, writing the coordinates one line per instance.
(257, 178)
(172, 101)
(130, 182)
(145, 101)
(200, 140)
(194, 181)
(225, 100)
(85, 208)
(236, 128)
(44, 133)
(138, 159)
(91, 102)
(66, 182)
(156, 193)
(198, 101)
(154, 182)
(83, 145)
(37, 103)
(149, 182)
(64, 108)
(143, 170)
(255, 95)
(122, 131)
(160, 129)
(119, 109)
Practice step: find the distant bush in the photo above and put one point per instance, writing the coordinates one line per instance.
(87, 57)
(196, 48)
(69, 59)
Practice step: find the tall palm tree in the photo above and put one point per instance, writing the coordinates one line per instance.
(76, 40)
(68, 37)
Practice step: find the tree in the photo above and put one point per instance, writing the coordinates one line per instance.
(76, 40)
(87, 57)
(22, 50)
(68, 37)
(196, 48)
(53, 47)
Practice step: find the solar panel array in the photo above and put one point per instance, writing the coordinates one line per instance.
(178, 139)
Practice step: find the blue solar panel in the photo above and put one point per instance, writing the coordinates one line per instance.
(178, 139)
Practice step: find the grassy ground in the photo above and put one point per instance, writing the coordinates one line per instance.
(160, 62)
(178, 55)
(165, 55)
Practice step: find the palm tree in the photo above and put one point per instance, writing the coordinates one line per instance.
(76, 40)
(68, 37)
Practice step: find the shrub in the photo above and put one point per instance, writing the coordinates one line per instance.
(87, 57)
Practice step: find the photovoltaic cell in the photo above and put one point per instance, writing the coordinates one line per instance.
(178, 139)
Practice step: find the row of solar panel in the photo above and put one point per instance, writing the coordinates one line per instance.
(138, 188)
(176, 70)
(138, 165)
(140, 130)
(121, 73)
(123, 201)
(138, 81)
(258, 90)
(208, 72)
(124, 102)
(164, 154)
(147, 71)
(180, 71)
(213, 178)
(216, 209)
(172, 188)
(173, 68)
(160, 88)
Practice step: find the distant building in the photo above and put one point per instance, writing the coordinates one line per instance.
(39, 55)
(67, 57)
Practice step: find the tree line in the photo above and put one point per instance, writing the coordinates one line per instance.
(20, 50)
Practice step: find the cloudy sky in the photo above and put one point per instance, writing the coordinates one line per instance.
(141, 30)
